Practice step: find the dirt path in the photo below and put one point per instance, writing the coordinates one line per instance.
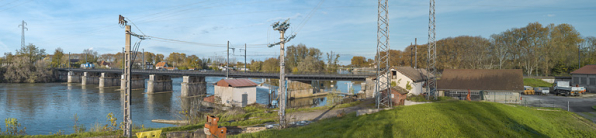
(333, 112)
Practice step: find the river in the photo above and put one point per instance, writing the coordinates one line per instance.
(50, 107)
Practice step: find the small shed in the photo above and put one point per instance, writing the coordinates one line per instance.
(398, 95)
(585, 77)
(498, 85)
(235, 92)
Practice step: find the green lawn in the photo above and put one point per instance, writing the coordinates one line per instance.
(447, 119)
(536, 83)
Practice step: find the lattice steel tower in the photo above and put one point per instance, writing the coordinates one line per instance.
(23, 28)
(431, 67)
(383, 75)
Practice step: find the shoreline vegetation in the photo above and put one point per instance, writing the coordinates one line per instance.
(247, 116)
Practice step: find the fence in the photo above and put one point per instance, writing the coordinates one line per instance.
(499, 97)
(565, 105)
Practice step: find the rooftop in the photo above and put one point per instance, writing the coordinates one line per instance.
(481, 79)
(588, 69)
(235, 83)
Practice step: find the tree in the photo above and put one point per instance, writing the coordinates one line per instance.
(359, 61)
(57, 59)
(271, 65)
(31, 52)
(159, 58)
(90, 55)
(332, 60)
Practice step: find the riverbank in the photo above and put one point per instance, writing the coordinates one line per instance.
(251, 116)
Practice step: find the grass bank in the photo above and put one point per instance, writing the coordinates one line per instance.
(536, 83)
(594, 107)
(447, 119)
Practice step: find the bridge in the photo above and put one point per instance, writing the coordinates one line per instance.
(193, 82)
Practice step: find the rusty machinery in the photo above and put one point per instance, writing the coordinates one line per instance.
(212, 130)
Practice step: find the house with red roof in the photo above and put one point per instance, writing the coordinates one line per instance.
(235, 92)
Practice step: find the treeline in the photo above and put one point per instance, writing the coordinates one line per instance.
(299, 59)
(28, 64)
(536, 49)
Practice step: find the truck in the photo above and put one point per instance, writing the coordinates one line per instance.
(563, 88)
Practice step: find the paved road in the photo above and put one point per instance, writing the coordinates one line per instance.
(580, 105)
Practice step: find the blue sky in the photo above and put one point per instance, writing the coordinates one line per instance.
(347, 27)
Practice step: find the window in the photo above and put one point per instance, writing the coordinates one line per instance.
(575, 80)
(583, 81)
(592, 81)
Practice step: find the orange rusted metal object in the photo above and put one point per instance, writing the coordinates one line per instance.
(468, 97)
(212, 130)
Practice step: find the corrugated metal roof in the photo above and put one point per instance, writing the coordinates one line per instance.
(415, 74)
(588, 69)
(481, 79)
(235, 83)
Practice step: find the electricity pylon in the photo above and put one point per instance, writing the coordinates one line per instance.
(383, 69)
(431, 83)
(23, 28)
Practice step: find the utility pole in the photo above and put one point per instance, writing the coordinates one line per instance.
(411, 55)
(23, 28)
(144, 64)
(383, 81)
(431, 86)
(228, 62)
(127, 75)
(69, 61)
(282, 27)
(244, 57)
(579, 56)
(415, 53)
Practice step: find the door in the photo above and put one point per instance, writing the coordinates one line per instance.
(244, 100)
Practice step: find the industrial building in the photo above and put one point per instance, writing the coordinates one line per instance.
(498, 85)
(585, 77)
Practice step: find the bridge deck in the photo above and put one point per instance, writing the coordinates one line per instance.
(234, 74)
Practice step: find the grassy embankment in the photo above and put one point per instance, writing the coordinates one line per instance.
(253, 115)
(536, 83)
(447, 119)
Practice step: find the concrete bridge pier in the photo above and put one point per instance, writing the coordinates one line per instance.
(89, 78)
(108, 80)
(74, 77)
(192, 86)
(137, 82)
(159, 83)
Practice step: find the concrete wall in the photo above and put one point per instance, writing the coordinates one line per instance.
(232, 96)
(587, 81)
(74, 77)
(109, 80)
(192, 86)
(301, 93)
(159, 83)
(502, 97)
(89, 78)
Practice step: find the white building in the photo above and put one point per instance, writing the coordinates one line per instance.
(235, 92)
(415, 78)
